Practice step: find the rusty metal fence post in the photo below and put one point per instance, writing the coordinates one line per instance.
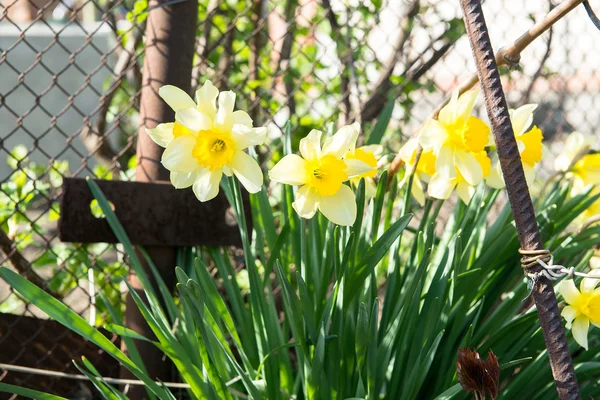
(518, 193)
(170, 45)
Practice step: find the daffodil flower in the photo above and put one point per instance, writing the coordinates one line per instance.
(369, 155)
(583, 306)
(178, 100)
(457, 139)
(576, 145)
(585, 172)
(321, 172)
(425, 168)
(441, 187)
(210, 143)
(529, 142)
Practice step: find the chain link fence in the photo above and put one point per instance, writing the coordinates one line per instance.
(69, 106)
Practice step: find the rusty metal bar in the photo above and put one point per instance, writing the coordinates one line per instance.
(518, 194)
(170, 33)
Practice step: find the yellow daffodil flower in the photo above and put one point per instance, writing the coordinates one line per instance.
(369, 155)
(441, 187)
(583, 306)
(576, 145)
(585, 172)
(321, 173)
(457, 139)
(206, 142)
(529, 142)
(425, 169)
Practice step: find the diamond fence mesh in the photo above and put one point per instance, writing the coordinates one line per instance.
(70, 79)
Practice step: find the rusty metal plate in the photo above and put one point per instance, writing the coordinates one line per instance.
(152, 214)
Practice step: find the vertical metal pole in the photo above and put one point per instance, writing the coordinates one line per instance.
(518, 194)
(170, 38)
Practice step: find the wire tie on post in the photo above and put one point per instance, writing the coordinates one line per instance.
(553, 272)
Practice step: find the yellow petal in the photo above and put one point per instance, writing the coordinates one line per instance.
(290, 170)
(245, 136)
(580, 330)
(306, 202)
(522, 118)
(176, 98)
(247, 170)
(370, 188)
(339, 208)
(310, 146)
(206, 186)
(417, 191)
(569, 291)
(532, 153)
(182, 180)
(162, 134)
(341, 142)
(194, 120)
(177, 157)
(408, 151)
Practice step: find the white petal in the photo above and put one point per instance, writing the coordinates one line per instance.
(225, 112)
(569, 291)
(370, 187)
(182, 180)
(580, 330)
(206, 186)
(522, 118)
(465, 192)
(444, 164)
(440, 187)
(417, 191)
(469, 167)
(310, 146)
(465, 104)
(194, 120)
(569, 314)
(432, 135)
(495, 178)
(176, 98)
(290, 170)
(376, 149)
(177, 157)
(227, 170)
(206, 97)
(529, 174)
(448, 112)
(408, 149)
(355, 167)
(589, 284)
(339, 208)
(245, 136)
(306, 202)
(247, 170)
(342, 141)
(162, 134)
(242, 118)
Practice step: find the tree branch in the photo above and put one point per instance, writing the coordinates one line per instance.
(20, 263)
(374, 104)
(509, 55)
(93, 136)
